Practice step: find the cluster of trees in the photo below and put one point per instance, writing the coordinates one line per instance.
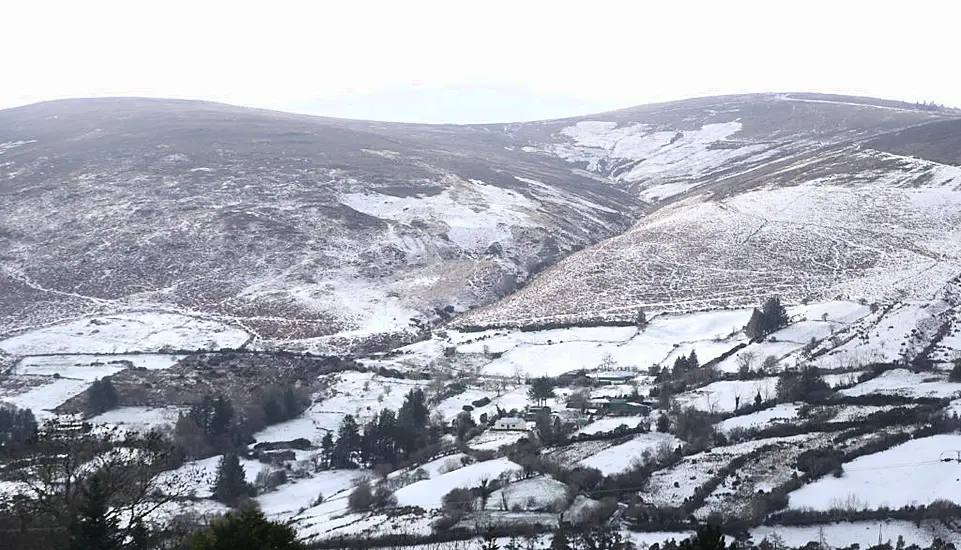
(770, 318)
(683, 365)
(389, 438)
(102, 396)
(215, 426)
(16, 425)
(803, 384)
(210, 427)
(541, 389)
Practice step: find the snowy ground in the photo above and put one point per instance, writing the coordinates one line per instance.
(671, 486)
(124, 333)
(538, 493)
(139, 419)
(427, 493)
(291, 498)
(621, 457)
(555, 352)
(48, 395)
(844, 534)
(75, 366)
(362, 395)
(491, 440)
(611, 423)
(42, 383)
(907, 383)
(914, 468)
(725, 395)
(780, 414)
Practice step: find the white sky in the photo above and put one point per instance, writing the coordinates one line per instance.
(484, 59)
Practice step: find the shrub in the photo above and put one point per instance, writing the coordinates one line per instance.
(361, 498)
(247, 529)
(955, 375)
(458, 502)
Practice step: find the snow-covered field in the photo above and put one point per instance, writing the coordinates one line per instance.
(537, 493)
(140, 419)
(779, 414)
(865, 534)
(671, 486)
(621, 457)
(199, 476)
(554, 352)
(91, 367)
(608, 424)
(491, 440)
(915, 468)
(48, 395)
(727, 395)
(428, 493)
(43, 383)
(362, 395)
(907, 383)
(289, 499)
(124, 333)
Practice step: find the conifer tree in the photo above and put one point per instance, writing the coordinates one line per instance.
(92, 527)
(231, 484)
(247, 530)
(348, 445)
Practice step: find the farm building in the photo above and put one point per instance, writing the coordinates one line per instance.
(510, 424)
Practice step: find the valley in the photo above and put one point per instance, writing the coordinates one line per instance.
(425, 335)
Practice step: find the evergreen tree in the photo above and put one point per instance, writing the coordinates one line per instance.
(348, 445)
(326, 450)
(102, 396)
(292, 404)
(92, 527)
(757, 399)
(17, 425)
(663, 423)
(231, 483)
(692, 361)
(561, 539)
(707, 537)
(755, 326)
(412, 429)
(641, 320)
(214, 415)
(541, 390)
(247, 530)
(463, 423)
(770, 318)
(775, 315)
(681, 366)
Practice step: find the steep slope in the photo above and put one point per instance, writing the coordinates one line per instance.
(808, 197)
(292, 227)
(323, 234)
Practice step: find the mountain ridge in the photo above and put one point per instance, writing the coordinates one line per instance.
(438, 219)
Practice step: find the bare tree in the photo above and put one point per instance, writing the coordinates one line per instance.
(55, 471)
(745, 362)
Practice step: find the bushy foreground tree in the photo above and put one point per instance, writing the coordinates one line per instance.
(248, 529)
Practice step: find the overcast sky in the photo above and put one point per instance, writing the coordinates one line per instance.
(476, 61)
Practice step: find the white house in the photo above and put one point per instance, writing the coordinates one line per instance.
(510, 424)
